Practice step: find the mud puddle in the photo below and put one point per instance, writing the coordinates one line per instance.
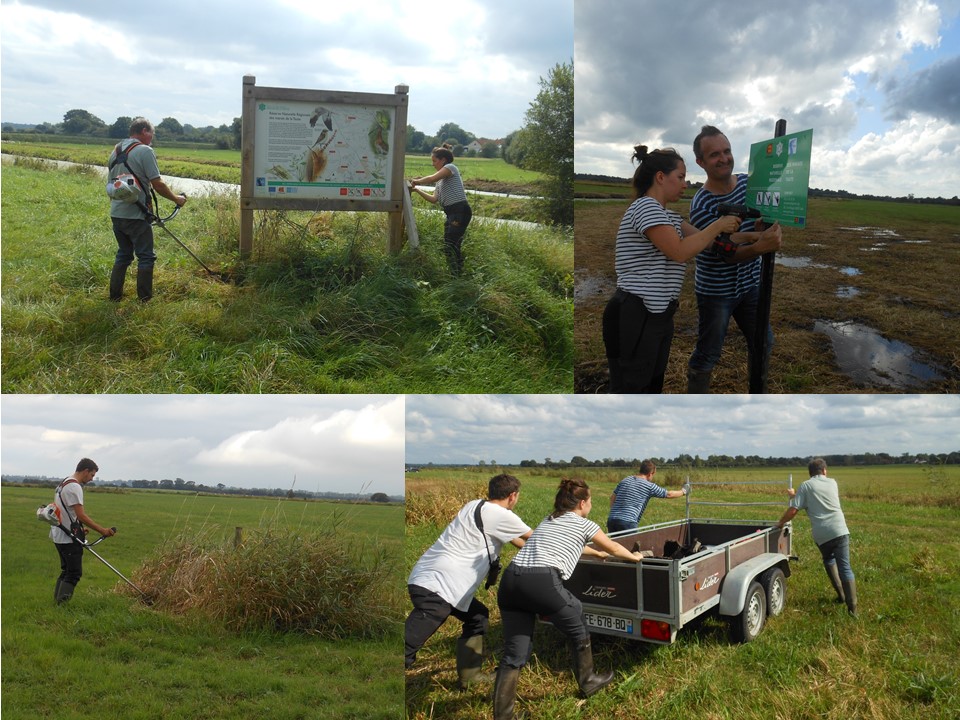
(870, 359)
(591, 287)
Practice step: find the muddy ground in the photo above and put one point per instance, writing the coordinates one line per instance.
(865, 299)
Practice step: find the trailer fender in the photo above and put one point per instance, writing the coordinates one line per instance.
(733, 591)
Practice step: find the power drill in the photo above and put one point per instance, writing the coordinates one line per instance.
(741, 211)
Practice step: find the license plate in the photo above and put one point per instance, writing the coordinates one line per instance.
(609, 622)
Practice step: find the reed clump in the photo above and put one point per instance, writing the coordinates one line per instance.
(438, 503)
(281, 580)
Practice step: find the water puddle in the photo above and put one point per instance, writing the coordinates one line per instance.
(847, 291)
(798, 262)
(870, 359)
(872, 232)
(849, 271)
(587, 287)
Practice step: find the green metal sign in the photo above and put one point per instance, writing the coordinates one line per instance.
(779, 176)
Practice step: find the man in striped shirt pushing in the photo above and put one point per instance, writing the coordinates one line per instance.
(630, 498)
(727, 279)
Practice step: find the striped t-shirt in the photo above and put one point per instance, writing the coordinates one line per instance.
(450, 190)
(558, 543)
(714, 276)
(643, 270)
(633, 493)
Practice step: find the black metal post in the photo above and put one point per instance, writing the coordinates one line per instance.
(761, 364)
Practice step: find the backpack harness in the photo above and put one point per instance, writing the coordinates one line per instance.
(121, 157)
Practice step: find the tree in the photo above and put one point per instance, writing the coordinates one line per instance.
(81, 122)
(548, 140)
(170, 126)
(452, 131)
(121, 127)
(415, 139)
(379, 497)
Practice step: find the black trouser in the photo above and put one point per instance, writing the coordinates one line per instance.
(429, 613)
(71, 562)
(525, 593)
(458, 217)
(637, 343)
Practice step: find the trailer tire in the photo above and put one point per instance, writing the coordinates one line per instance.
(747, 625)
(774, 584)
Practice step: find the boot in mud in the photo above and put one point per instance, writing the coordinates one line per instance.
(117, 276)
(505, 692)
(698, 382)
(834, 574)
(64, 591)
(145, 283)
(469, 662)
(850, 593)
(589, 681)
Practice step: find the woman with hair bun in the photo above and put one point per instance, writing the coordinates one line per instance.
(653, 245)
(449, 192)
(533, 585)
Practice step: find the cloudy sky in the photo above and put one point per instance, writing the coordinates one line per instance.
(329, 443)
(876, 80)
(477, 63)
(511, 428)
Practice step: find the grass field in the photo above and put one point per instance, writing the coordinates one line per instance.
(850, 269)
(322, 307)
(107, 655)
(897, 661)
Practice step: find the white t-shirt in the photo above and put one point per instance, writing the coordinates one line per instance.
(71, 494)
(457, 563)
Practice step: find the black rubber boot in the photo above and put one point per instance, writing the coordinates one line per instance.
(117, 276)
(834, 574)
(505, 692)
(850, 593)
(469, 662)
(589, 681)
(64, 591)
(698, 382)
(145, 283)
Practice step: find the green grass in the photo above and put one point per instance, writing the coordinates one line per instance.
(896, 661)
(107, 655)
(323, 308)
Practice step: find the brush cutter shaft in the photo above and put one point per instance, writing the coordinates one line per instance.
(119, 574)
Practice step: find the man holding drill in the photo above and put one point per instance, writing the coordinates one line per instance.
(727, 280)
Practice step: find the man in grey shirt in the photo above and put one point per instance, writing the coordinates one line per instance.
(820, 497)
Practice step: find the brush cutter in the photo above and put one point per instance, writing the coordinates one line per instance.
(89, 546)
(161, 222)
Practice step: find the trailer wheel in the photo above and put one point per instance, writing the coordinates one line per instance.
(748, 624)
(774, 584)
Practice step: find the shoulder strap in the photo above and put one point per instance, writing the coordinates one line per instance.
(68, 531)
(121, 157)
(479, 521)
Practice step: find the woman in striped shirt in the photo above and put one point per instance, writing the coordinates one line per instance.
(533, 585)
(653, 245)
(449, 192)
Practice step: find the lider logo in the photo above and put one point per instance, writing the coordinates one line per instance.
(595, 591)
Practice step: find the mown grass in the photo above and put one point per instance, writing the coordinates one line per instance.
(322, 307)
(896, 661)
(903, 288)
(106, 654)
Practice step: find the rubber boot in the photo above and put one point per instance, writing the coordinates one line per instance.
(117, 276)
(469, 662)
(589, 681)
(698, 382)
(56, 590)
(505, 692)
(850, 593)
(64, 592)
(145, 283)
(834, 574)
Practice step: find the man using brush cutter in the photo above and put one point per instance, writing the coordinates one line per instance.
(446, 576)
(132, 172)
(69, 502)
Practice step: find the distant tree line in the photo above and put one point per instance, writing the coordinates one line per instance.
(811, 192)
(180, 484)
(744, 461)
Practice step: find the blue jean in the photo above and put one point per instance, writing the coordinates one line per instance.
(134, 237)
(715, 313)
(616, 525)
(837, 551)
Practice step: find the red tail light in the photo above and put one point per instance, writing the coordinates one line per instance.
(655, 630)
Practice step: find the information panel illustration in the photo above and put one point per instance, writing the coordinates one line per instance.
(308, 150)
